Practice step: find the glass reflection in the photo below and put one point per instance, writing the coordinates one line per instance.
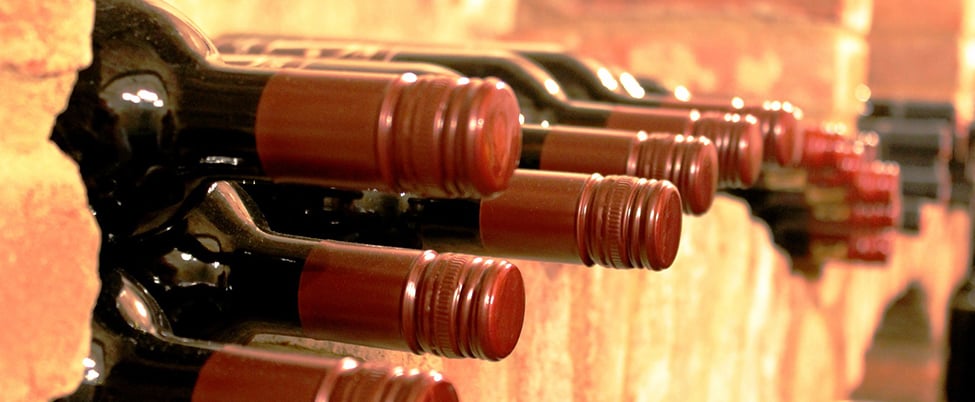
(682, 93)
(607, 78)
(631, 85)
(552, 87)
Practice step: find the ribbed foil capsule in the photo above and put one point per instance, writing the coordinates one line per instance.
(449, 136)
(631, 222)
(689, 162)
(738, 140)
(779, 122)
(464, 306)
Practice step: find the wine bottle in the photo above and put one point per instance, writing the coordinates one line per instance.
(811, 240)
(689, 162)
(960, 362)
(541, 96)
(156, 113)
(873, 182)
(134, 357)
(913, 141)
(219, 274)
(612, 221)
(873, 246)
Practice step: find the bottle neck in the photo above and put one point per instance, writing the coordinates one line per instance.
(579, 80)
(140, 367)
(370, 217)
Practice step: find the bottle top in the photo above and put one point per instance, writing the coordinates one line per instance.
(689, 162)
(823, 148)
(846, 162)
(783, 138)
(467, 306)
(738, 140)
(241, 373)
(440, 136)
(448, 304)
(876, 181)
(630, 222)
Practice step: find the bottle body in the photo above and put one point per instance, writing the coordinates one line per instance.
(219, 275)
(960, 365)
(156, 114)
(134, 357)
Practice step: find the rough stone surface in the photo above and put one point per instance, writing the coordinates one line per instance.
(48, 239)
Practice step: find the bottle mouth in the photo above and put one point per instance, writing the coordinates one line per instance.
(464, 306)
(781, 133)
(629, 222)
(451, 137)
(689, 162)
(877, 181)
(739, 144)
(746, 139)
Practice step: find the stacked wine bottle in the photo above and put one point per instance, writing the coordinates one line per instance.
(371, 193)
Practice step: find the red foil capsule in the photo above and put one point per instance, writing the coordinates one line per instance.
(846, 163)
(738, 140)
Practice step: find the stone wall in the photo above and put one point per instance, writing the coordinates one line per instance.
(48, 239)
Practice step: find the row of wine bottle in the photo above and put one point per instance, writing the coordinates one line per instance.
(301, 186)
